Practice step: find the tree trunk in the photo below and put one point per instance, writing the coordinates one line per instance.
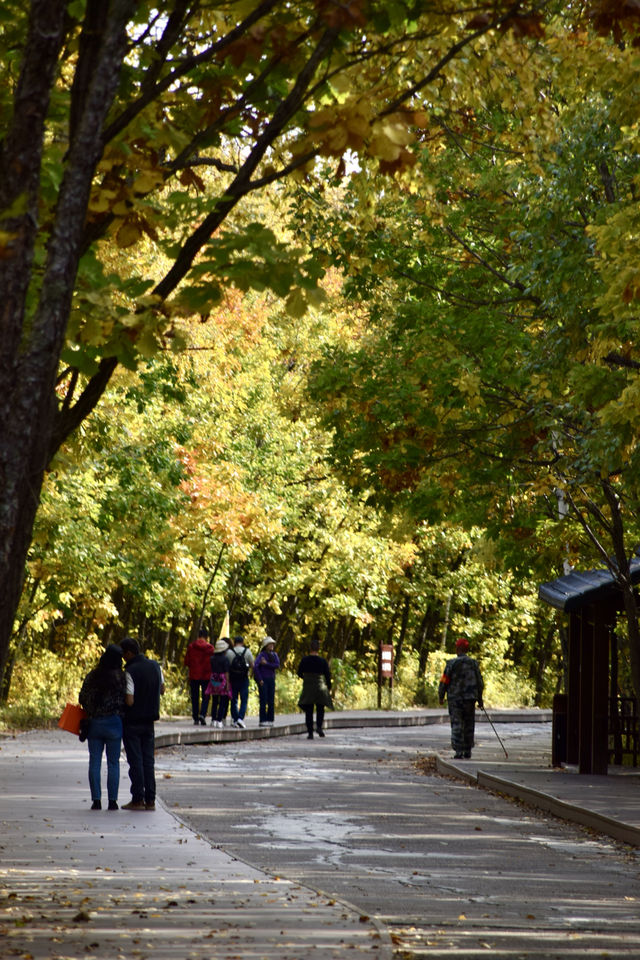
(30, 346)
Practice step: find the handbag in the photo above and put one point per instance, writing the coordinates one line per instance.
(218, 685)
(71, 717)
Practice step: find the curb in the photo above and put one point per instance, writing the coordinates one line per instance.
(574, 813)
(559, 808)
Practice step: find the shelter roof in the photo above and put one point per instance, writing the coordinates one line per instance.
(577, 589)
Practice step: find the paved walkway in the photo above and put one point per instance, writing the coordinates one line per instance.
(77, 883)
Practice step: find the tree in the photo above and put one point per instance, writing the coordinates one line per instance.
(509, 374)
(111, 106)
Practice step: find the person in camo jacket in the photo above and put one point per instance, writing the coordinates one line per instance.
(462, 685)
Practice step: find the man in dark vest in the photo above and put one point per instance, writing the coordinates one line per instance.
(145, 683)
(462, 685)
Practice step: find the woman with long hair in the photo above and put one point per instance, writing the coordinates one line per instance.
(102, 695)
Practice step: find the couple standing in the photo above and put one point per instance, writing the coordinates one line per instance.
(123, 706)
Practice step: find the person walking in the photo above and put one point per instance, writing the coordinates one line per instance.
(462, 685)
(240, 668)
(145, 684)
(264, 672)
(316, 688)
(102, 695)
(219, 687)
(197, 659)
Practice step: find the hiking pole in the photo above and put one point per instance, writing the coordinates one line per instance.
(495, 731)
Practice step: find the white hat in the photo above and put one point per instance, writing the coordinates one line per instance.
(220, 646)
(267, 641)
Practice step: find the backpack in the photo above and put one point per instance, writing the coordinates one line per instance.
(239, 668)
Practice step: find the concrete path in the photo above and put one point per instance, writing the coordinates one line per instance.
(77, 883)
(118, 886)
(451, 871)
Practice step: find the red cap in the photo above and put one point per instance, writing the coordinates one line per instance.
(462, 644)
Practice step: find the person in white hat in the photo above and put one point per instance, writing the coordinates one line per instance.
(264, 671)
(219, 687)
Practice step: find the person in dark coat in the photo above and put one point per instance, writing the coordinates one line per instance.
(145, 683)
(462, 685)
(102, 696)
(197, 660)
(316, 688)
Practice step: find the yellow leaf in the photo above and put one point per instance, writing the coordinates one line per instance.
(147, 181)
(128, 234)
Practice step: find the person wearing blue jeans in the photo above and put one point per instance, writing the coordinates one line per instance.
(105, 734)
(264, 671)
(103, 697)
(240, 661)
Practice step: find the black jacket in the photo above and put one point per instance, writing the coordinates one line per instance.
(147, 680)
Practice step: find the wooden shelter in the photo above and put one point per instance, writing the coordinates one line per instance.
(593, 601)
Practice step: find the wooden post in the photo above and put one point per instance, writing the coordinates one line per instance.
(586, 680)
(600, 719)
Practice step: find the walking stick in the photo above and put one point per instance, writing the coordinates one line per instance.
(495, 731)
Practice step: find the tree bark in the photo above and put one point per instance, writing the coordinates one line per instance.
(30, 347)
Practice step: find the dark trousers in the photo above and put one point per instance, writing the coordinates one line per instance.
(219, 707)
(308, 716)
(199, 699)
(239, 688)
(462, 714)
(266, 695)
(139, 746)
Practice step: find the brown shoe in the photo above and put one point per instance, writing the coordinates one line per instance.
(149, 806)
(133, 805)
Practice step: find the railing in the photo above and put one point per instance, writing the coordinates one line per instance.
(623, 731)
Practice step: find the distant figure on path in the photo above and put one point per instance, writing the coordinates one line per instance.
(264, 671)
(240, 667)
(103, 697)
(316, 688)
(462, 685)
(145, 683)
(197, 659)
(219, 684)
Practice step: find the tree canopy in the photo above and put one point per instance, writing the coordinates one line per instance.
(323, 311)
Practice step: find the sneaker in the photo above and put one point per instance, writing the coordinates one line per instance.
(202, 721)
(309, 736)
(321, 733)
(96, 805)
(235, 723)
(240, 723)
(134, 805)
(113, 804)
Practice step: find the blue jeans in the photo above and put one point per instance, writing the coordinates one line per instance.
(199, 708)
(239, 688)
(139, 745)
(105, 733)
(267, 693)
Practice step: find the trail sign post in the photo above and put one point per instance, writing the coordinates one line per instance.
(385, 670)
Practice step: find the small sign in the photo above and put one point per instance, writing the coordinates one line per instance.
(386, 660)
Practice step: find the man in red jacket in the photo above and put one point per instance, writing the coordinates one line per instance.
(197, 659)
